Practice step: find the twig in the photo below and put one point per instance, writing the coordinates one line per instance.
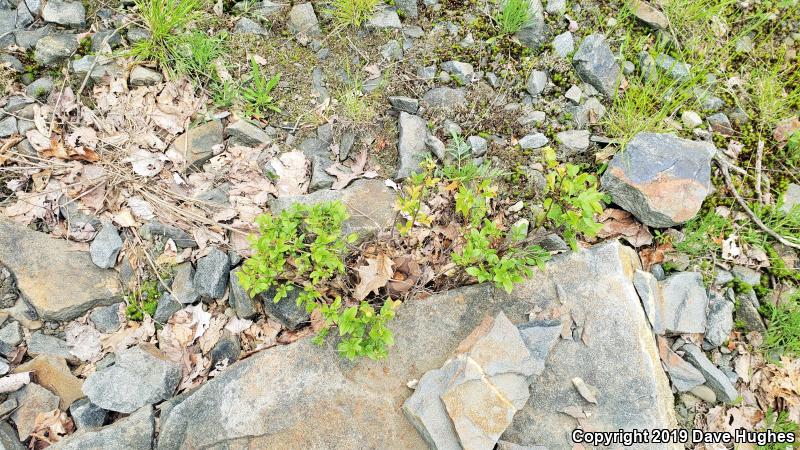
(759, 157)
(729, 184)
(97, 58)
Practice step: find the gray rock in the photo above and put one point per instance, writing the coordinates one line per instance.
(427, 73)
(32, 400)
(411, 144)
(720, 123)
(317, 152)
(379, 215)
(628, 68)
(8, 127)
(60, 283)
(140, 376)
(137, 34)
(556, 7)
(303, 20)
(24, 16)
(572, 142)
(537, 82)
(167, 306)
(551, 241)
(135, 432)
(142, 76)
(649, 15)
(211, 275)
(691, 119)
(392, 51)
(674, 68)
(263, 9)
(9, 440)
(245, 133)
(12, 63)
(154, 229)
(40, 88)
(102, 72)
(198, 144)
(346, 144)
(52, 50)
(478, 145)
(747, 312)
(719, 320)
(106, 318)
(183, 287)
(384, 17)
(227, 350)
(43, 344)
(683, 375)
(445, 98)
(534, 34)
(681, 305)
(435, 146)
(356, 405)
(407, 104)
(86, 414)
(536, 140)
(239, 300)
(10, 337)
(660, 178)
(461, 71)
(574, 94)
(790, 198)
(104, 41)
(408, 8)
(715, 378)
(105, 247)
(564, 44)
(705, 393)
(646, 285)
(596, 65)
(248, 26)
(8, 21)
(66, 14)
(286, 311)
(746, 274)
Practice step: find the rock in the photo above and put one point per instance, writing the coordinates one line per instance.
(32, 400)
(551, 241)
(104, 41)
(40, 88)
(649, 15)
(536, 140)
(384, 17)
(360, 192)
(102, 72)
(154, 229)
(572, 142)
(445, 98)
(136, 34)
(491, 372)
(53, 374)
(683, 375)
(86, 414)
(720, 123)
(534, 34)
(286, 311)
(317, 152)
(202, 141)
(392, 51)
(556, 7)
(536, 83)
(66, 14)
(747, 312)
(719, 321)
(10, 337)
(355, 405)
(407, 104)
(106, 319)
(248, 26)
(680, 305)
(461, 71)
(705, 393)
(478, 145)
(574, 94)
(790, 198)
(245, 133)
(135, 432)
(674, 68)
(411, 144)
(303, 20)
(8, 127)
(715, 378)
(691, 120)
(183, 287)
(660, 178)
(596, 65)
(142, 76)
(211, 276)
(53, 50)
(9, 440)
(239, 300)
(167, 306)
(564, 44)
(141, 375)
(435, 146)
(227, 350)
(426, 73)
(747, 275)
(43, 344)
(60, 283)
(105, 247)
(408, 8)
(263, 9)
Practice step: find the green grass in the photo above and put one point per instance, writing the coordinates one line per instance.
(702, 233)
(783, 331)
(513, 15)
(352, 13)
(193, 53)
(779, 423)
(164, 19)
(257, 96)
(774, 92)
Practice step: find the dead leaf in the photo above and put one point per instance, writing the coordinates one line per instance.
(617, 222)
(144, 163)
(290, 169)
(57, 149)
(50, 427)
(83, 341)
(373, 276)
(345, 175)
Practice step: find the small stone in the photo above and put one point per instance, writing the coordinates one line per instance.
(246, 134)
(596, 65)
(427, 73)
(408, 8)
(572, 142)
(248, 26)
(691, 120)
(552, 242)
(52, 50)
(105, 40)
(8, 127)
(183, 287)
(40, 88)
(790, 198)
(705, 393)
(136, 34)
(451, 128)
(715, 378)
(683, 375)
(384, 18)
(435, 146)
(537, 82)
(411, 144)
(66, 14)
(303, 20)
(478, 145)
(564, 44)
(720, 123)
(747, 312)
(142, 76)
(407, 104)
(574, 94)
(531, 141)
(198, 144)
(105, 247)
(628, 68)
(106, 318)
(53, 374)
(227, 350)
(649, 15)
(32, 400)
(746, 274)
(154, 229)
(141, 375)
(674, 68)
(719, 320)
(445, 98)
(86, 414)
(463, 72)
(167, 306)
(285, 310)
(211, 275)
(392, 51)
(556, 7)
(10, 336)
(241, 302)
(43, 344)
(681, 305)
(133, 432)
(7, 407)
(104, 70)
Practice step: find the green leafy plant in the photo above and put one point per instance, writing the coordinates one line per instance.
(164, 19)
(303, 248)
(513, 15)
(352, 13)
(257, 96)
(143, 300)
(783, 332)
(779, 423)
(572, 199)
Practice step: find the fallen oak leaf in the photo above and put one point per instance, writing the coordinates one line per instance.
(373, 276)
(345, 175)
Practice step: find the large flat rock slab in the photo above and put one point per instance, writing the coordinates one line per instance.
(59, 281)
(306, 396)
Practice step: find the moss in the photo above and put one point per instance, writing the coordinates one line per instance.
(143, 300)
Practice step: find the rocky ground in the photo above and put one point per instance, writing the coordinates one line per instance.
(131, 179)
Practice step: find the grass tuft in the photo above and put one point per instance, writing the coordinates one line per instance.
(352, 13)
(513, 16)
(164, 19)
